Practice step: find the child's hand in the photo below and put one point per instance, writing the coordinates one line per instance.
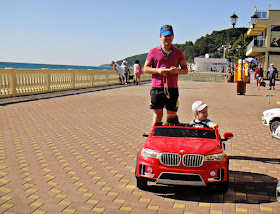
(214, 125)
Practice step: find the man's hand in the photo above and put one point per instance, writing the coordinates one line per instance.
(173, 70)
(162, 70)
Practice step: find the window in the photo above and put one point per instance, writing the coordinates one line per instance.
(184, 132)
(275, 36)
(262, 14)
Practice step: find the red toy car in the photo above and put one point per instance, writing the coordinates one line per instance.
(182, 155)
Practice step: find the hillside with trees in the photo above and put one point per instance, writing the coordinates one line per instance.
(206, 44)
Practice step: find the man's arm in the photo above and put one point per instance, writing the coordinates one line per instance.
(182, 70)
(184, 67)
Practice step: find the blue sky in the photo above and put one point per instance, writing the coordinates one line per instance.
(94, 32)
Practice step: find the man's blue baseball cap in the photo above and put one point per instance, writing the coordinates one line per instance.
(166, 30)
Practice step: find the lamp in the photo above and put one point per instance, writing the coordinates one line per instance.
(254, 19)
(241, 85)
(233, 18)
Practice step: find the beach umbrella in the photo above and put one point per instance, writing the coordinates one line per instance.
(252, 60)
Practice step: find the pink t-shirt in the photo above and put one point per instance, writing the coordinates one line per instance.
(159, 60)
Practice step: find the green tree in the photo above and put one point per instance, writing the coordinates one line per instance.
(206, 44)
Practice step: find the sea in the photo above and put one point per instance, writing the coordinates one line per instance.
(51, 66)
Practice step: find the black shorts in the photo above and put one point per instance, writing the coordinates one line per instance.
(159, 99)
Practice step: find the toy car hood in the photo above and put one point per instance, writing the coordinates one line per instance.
(189, 145)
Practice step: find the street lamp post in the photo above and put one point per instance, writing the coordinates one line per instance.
(241, 85)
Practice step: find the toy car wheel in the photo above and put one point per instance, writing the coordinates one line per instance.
(274, 125)
(223, 186)
(142, 184)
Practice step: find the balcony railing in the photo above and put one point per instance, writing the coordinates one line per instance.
(256, 43)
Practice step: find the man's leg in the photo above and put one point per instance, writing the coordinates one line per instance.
(126, 78)
(172, 103)
(158, 114)
(171, 113)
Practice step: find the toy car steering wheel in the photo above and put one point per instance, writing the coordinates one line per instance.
(203, 124)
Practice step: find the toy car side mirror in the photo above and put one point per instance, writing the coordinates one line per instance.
(145, 135)
(227, 135)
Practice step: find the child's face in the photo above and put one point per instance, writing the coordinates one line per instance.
(203, 114)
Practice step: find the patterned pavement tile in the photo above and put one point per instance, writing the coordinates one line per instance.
(76, 154)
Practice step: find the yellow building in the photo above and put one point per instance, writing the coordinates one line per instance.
(265, 46)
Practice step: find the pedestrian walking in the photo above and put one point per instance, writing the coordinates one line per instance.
(258, 76)
(165, 62)
(272, 74)
(126, 71)
(137, 72)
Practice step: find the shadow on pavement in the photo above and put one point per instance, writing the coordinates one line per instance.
(244, 187)
(184, 88)
(264, 160)
(33, 97)
(254, 95)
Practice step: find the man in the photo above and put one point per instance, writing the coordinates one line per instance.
(163, 63)
(126, 71)
(120, 71)
(272, 73)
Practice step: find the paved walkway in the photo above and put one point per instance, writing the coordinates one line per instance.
(76, 154)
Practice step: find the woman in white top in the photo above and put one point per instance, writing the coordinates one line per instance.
(137, 72)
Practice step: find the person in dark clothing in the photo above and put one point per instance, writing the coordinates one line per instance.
(272, 73)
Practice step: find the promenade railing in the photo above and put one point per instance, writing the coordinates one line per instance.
(205, 77)
(17, 82)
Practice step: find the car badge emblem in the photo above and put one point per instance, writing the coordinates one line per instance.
(182, 151)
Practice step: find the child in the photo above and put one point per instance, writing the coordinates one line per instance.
(200, 114)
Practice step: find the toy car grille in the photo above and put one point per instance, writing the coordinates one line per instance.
(170, 159)
(183, 177)
(193, 160)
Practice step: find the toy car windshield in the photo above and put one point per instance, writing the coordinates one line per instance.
(184, 132)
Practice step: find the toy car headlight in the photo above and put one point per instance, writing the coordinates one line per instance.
(269, 114)
(216, 157)
(149, 153)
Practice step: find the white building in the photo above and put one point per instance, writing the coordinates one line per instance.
(210, 64)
